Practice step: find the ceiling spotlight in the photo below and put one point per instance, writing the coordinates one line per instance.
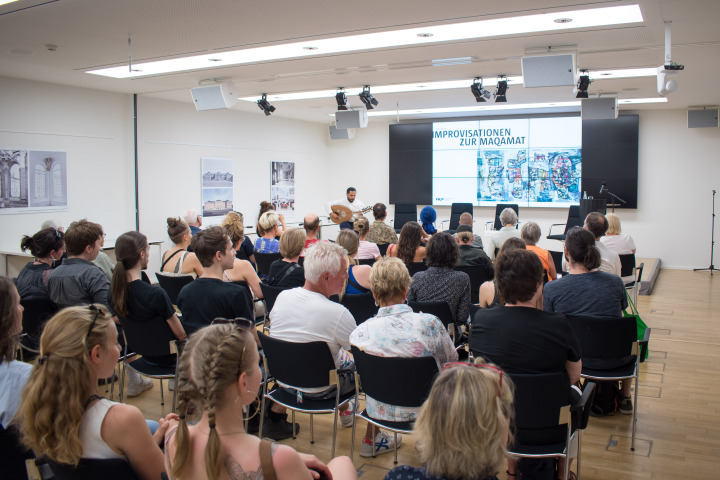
(583, 84)
(501, 89)
(265, 106)
(341, 99)
(367, 99)
(477, 89)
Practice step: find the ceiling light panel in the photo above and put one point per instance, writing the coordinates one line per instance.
(544, 22)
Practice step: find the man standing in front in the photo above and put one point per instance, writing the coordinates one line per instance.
(352, 203)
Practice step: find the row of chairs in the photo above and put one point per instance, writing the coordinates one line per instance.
(407, 212)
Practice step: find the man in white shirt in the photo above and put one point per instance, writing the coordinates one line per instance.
(351, 202)
(597, 224)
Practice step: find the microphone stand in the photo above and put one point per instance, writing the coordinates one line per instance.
(711, 268)
(613, 196)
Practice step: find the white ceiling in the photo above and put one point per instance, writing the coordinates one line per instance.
(92, 34)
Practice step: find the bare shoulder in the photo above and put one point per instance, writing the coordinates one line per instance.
(286, 459)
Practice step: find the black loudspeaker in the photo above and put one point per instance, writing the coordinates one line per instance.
(549, 71)
(703, 118)
(341, 133)
(214, 97)
(603, 108)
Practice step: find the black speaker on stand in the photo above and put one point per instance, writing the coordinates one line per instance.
(711, 268)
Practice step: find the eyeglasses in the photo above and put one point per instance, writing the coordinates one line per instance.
(479, 365)
(97, 311)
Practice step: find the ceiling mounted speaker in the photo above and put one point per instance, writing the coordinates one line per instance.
(703, 118)
(549, 71)
(603, 108)
(341, 133)
(351, 118)
(214, 97)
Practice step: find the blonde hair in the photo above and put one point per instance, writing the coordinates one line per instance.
(53, 402)
(267, 221)
(388, 279)
(348, 239)
(361, 226)
(234, 227)
(212, 361)
(292, 242)
(462, 424)
(613, 224)
(465, 237)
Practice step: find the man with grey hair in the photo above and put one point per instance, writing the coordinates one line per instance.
(193, 219)
(467, 219)
(508, 219)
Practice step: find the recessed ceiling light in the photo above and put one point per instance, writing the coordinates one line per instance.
(214, 59)
(424, 35)
(563, 20)
(496, 27)
(310, 48)
(21, 51)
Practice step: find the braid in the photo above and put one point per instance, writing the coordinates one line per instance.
(212, 450)
(186, 391)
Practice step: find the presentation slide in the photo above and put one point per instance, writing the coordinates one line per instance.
(534, 162)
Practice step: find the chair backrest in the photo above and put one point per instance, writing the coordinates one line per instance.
(92, 469)
(383, 248)
(264, 260)
(362, 306)
(440, 309)
(477, 277)
(605, 337)
(37, 312)
(457, 209)
(301, 365)
(270, 294)
(417, 267)
(627, 264)
(542, 401)
(241, 255)
(148, 338)
(574, 219)
(13, 454)
(404, 212)
(172, 283)
(498, 210)
(366, 261)
(400, 381)
(557, 260)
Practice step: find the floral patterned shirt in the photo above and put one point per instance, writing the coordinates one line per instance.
(397, 331)
(381, 233)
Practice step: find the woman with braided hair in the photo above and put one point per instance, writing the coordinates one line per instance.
(218, 376)
(63, 418)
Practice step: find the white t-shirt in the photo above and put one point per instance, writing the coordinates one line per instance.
(13, 377)
(367, 250)
(355, 206)
(609, 260)
(92, 443)
(622, 243)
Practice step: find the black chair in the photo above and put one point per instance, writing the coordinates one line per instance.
(440, 309)
(302, 365)
(152, 340)
(543, 417)
(477, 277)
(172, 283)
(92, 469)
(383, 248)
(362, 306)
(457, 209)
(270, 294)
(558, 261)
(241, 255)
(611, 339)
(497, 225)
(628, 269)
(417, 267)
(366, 261)
(264, 260)
(398, 381)
(37, 312)
(13, 454)
(573, 220)
(404, 212)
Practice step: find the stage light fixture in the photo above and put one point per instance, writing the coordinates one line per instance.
(481, 95)
(369, 101)
(341, 99)
(501, 89)
(583, 84)
(265, 106)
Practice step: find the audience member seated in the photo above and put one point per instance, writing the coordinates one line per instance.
(588, 292)
(366, 250)
(269, 225)
(614, 239)
(530, 233)
(467, 219)
(286, 273)
(489, 296)
(311, 224)
(397, 331)
(242, 270)
(470, 255)
(61, 416)
(178, 260)
(463, 427)
(518, 337)
(428, 215)
(218, 377)
(46, 246)
(264, 208)
(210, 297)
(358, 275)
(380, 233)
(132, 298)
(193, 220)
(440, 282)
(237, 223)
(597, 224)
(409, 247)
(509, 220)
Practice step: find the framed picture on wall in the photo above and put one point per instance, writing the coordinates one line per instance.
(217, 188)
(282, 189)
(32, 180)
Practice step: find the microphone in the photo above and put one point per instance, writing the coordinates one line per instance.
(602, 188)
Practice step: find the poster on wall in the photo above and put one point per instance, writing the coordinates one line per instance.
(217, 189)
(282, 189)
(32, 181)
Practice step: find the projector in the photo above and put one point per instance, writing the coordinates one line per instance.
(665, 83)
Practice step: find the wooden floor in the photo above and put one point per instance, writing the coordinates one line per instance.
(679, 398)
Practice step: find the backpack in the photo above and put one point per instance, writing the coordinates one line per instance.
(605, 398)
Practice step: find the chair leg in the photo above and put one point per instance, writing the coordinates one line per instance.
(162, 395)
(262, 413)
(174, 404)
(634, 416)
(395, 433)
(312, 431)
(579, 447)
(122, 382)
(293, 424)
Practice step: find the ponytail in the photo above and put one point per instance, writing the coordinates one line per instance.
(580, 245)
(128, 248)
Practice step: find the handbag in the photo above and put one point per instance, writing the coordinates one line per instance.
(641, 326)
